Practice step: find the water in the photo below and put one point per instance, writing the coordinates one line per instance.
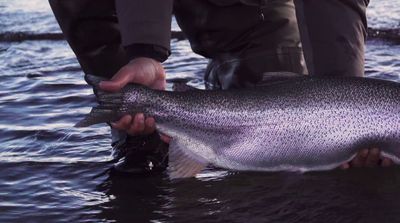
(52, 172)
(384, 14)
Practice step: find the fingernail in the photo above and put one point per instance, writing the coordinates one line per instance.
(344, 166)
(141, 118)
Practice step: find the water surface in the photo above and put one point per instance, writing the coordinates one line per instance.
(52, 172)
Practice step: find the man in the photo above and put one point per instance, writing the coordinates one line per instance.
(242, 38)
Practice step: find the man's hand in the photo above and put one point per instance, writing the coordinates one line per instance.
(143, 71)
(368, 158)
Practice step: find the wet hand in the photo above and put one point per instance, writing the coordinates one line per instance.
(138, 125)
(135, 125)
(368, 158)
(143, 71)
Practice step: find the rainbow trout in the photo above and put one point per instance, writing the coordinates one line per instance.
(296, 124)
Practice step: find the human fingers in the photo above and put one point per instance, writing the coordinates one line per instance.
(159, 84)
(360, 158)
(373, 157)
(145, 71)
(119, 80)
(165, 138)
(344, 166)
(137, 125)
(386, 162)
(149, 126)
(123, 123)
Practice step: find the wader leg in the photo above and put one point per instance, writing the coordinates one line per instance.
(91, 29)
(333, 34)
(242, 41)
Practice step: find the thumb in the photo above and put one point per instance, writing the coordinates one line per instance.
(120, 79)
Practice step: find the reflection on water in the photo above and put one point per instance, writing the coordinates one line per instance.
(348, 196)
(384, 14)
(52, 172)
(383, 60)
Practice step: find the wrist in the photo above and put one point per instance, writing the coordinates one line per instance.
(155, 52)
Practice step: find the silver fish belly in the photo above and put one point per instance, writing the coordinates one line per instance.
(301, 124)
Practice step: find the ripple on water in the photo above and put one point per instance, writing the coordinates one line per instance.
(383, 60)
(53, 172)
(384, 14)
(56, 192)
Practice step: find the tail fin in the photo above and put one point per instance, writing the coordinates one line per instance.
(94, 80)
(107, 111)
(181, 85)
(97, 115)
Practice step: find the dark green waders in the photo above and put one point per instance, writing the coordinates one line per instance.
(245, 41)
(333, 34)
(242, 41)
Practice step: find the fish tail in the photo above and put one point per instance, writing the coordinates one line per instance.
(94, 80)
(109, 104)
(97, 115)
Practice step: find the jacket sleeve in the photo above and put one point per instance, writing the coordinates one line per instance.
(145, 22)
(91, 29)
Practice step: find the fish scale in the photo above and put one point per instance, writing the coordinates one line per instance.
(297, 124)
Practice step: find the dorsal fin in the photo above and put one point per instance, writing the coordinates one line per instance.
(181, 164)
(277, 77)
(182, 86)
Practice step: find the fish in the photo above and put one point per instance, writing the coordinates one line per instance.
(289, 123)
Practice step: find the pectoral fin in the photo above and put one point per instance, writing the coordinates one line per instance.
(182, 164)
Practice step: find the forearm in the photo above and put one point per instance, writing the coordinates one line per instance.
(145, 27)
(91, 29)
(94, 30)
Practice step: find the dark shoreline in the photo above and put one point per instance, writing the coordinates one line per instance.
(391, 35)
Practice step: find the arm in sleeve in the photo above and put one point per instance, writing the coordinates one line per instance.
(91, 29)
(145, 27)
